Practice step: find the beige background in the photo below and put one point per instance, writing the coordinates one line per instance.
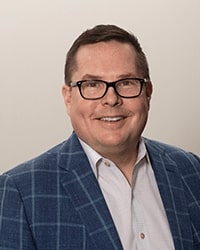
(34, 38)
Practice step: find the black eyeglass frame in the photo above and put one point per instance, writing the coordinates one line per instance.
(108, 85)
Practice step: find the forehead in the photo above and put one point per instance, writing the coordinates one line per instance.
(106, 48)
(106, 57)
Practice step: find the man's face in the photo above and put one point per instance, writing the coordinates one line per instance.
(111, 123)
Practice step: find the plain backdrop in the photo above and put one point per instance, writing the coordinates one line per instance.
(34, 38)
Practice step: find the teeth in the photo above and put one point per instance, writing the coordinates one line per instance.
(111, 119)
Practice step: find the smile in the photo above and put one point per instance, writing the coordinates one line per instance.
(111, 119)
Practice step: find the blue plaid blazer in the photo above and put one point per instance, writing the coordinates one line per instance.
(54, 202)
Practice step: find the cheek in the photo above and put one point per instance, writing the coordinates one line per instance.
(73, 104)
(144, 108)
(138, 105)
(140, 112)
(80, 109)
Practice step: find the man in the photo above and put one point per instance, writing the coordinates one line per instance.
(106, 187)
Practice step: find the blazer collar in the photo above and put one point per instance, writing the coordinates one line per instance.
(171, 190)
(82, 187)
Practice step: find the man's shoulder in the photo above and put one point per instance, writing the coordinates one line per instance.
(38, 162)
(162, 147)
(171, 153)
(48, 160)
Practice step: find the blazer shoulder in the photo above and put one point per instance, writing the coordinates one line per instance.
(56, 156)
(172, 154)
(165, 148)
(44, 161)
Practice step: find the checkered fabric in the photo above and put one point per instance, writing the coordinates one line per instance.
(54, 202)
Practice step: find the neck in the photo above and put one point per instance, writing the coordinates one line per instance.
(124, 159)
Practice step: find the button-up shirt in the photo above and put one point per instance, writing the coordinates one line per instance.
(137, 210)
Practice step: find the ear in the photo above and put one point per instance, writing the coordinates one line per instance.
(66, 92)
(149, 90)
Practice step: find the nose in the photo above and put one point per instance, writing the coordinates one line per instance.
(111, 98)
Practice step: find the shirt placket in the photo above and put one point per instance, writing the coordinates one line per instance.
(140, 234)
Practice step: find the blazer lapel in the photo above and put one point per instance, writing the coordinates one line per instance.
(172, 194)
(81, 185)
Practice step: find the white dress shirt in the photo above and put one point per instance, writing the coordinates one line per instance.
(137, 210)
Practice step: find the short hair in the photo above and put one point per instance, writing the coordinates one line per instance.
(105, 33)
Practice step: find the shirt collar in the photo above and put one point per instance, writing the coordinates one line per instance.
(142, 151)
(95, 158)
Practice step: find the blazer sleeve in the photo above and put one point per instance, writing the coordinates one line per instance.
(191, 181)
(15, 232)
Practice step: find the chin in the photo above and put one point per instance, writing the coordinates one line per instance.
(111, 142)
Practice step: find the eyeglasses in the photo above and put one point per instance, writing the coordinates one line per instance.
(96, 89)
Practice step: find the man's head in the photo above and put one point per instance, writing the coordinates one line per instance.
(104, 33)
(112, 123)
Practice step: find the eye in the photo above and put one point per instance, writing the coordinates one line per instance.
(92, 84)
(127, 82)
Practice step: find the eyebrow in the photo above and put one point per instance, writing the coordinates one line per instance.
(128, 75)
(90, 76)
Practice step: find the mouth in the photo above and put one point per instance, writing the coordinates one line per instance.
(112, 119)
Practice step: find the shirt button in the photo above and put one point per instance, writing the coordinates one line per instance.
(107, 163)
(142, 236)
